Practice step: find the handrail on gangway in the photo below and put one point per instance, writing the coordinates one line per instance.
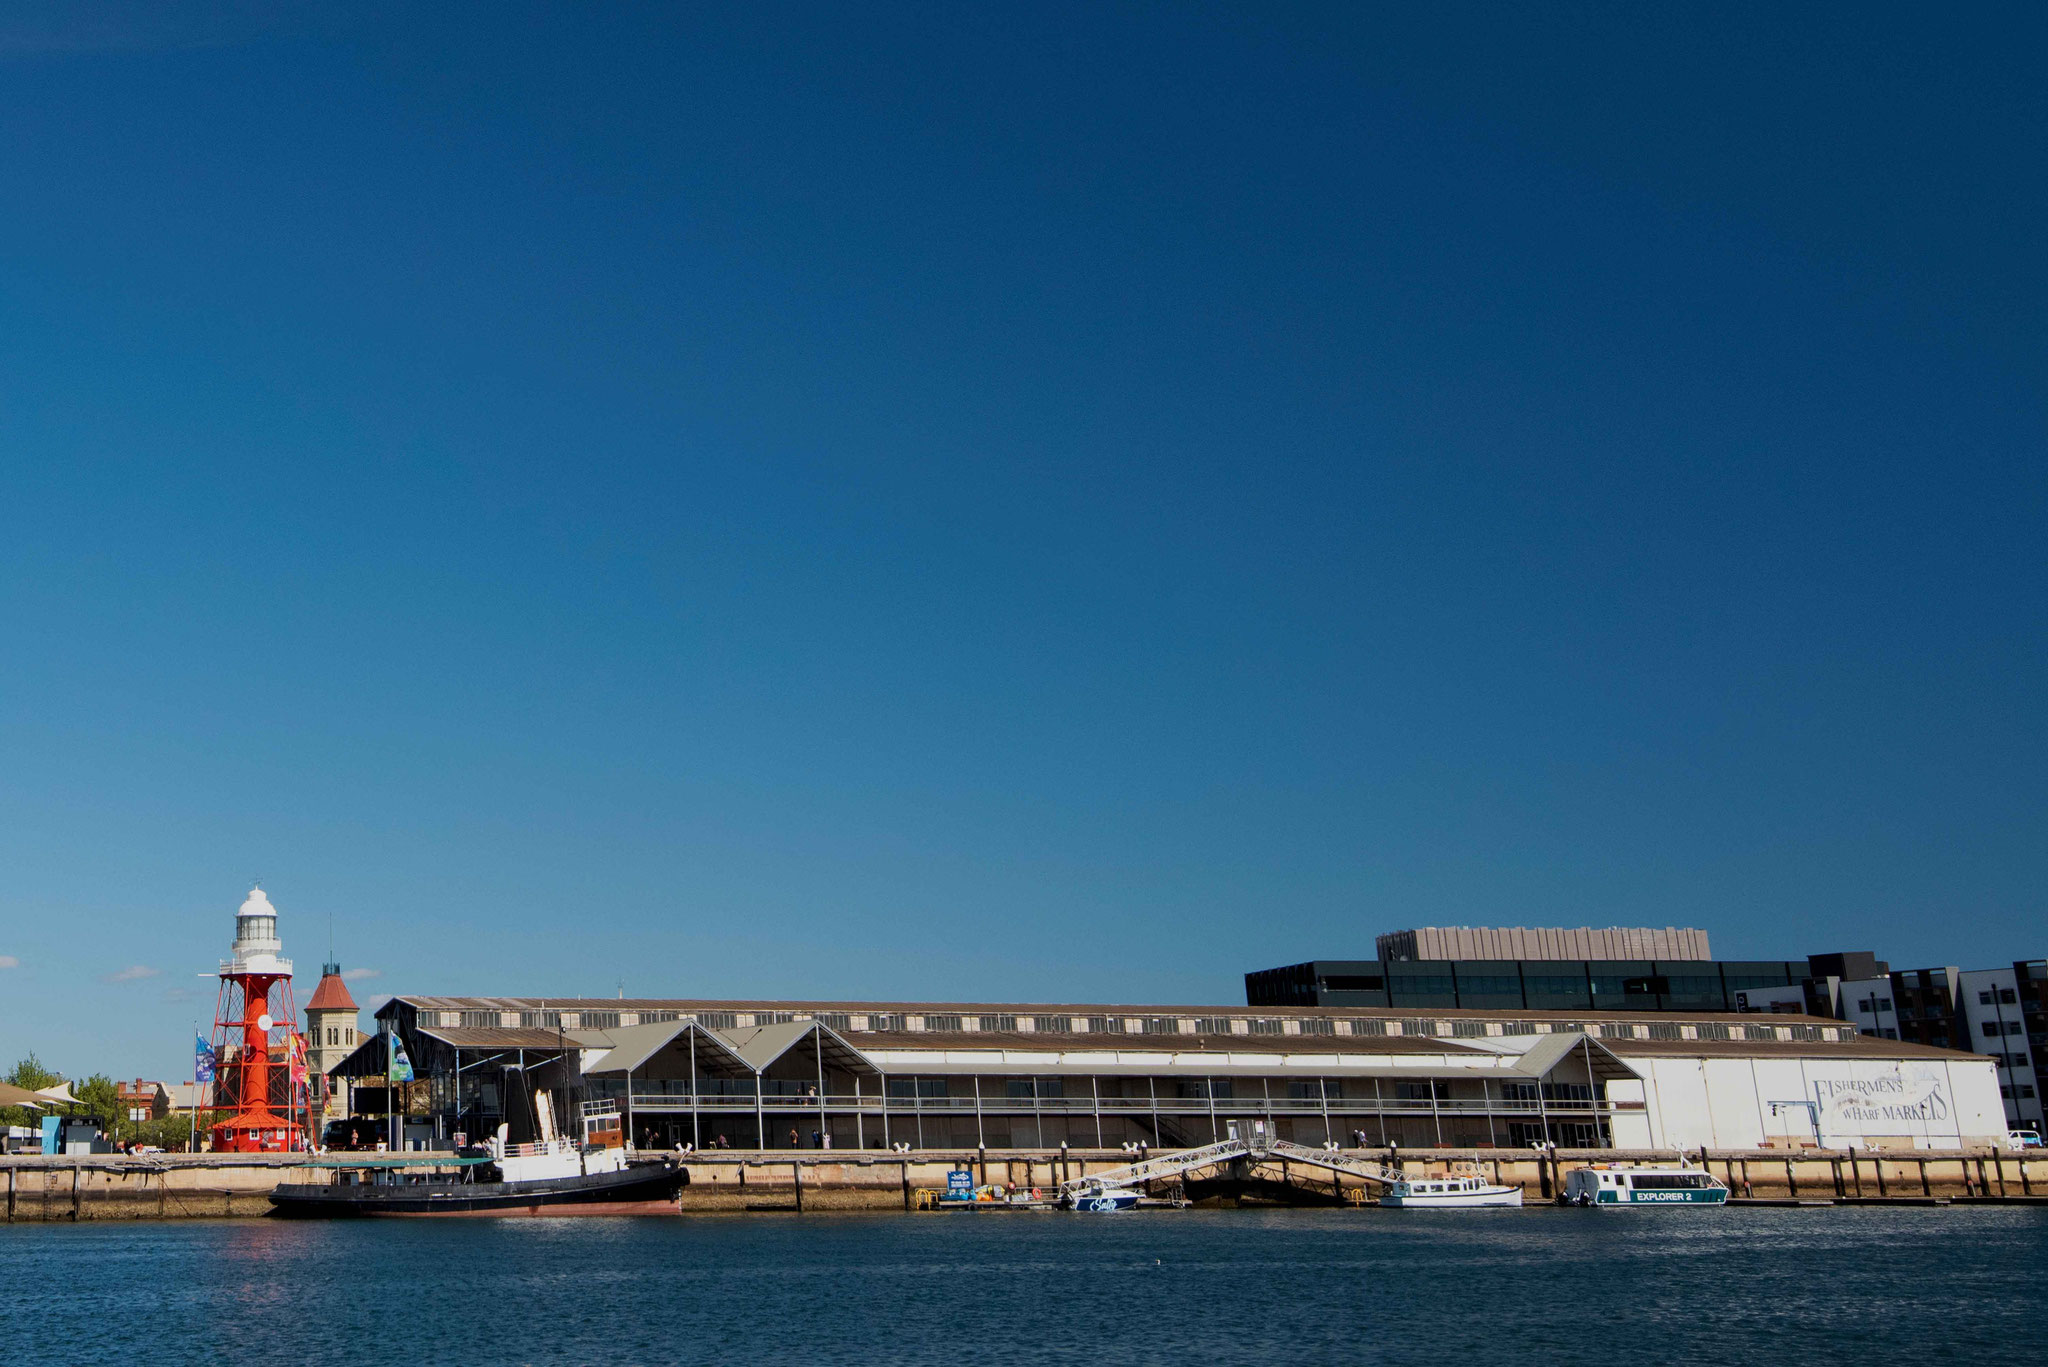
(1256, 1149)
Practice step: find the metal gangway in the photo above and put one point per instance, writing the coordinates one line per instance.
(1258, 1148)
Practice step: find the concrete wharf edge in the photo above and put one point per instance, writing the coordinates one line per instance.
(203, 1186)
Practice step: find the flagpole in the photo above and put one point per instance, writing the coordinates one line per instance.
(192, 1106)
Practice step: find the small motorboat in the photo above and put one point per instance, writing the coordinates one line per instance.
(1102, 1200)
(1455, 1192)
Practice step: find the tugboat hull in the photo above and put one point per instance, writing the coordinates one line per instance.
(639, 1189)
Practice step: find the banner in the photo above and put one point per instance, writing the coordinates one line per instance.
(297, 1055)
(202, 1060)
(400, 1069)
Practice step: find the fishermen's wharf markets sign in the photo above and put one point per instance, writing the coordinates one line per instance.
(1896, 1102)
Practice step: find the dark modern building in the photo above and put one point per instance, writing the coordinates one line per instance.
(1539, 984)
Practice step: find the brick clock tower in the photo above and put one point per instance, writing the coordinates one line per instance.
(330, 1038)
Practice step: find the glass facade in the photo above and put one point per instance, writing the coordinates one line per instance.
(1488, 984)
(1422, 982)
(1522, 984)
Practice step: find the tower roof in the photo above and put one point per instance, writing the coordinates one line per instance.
(332, 993)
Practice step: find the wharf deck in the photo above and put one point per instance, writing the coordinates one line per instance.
(179, 1186)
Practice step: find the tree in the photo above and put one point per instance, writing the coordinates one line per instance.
(31, 1074)
(175, 1130)
(100, 1098)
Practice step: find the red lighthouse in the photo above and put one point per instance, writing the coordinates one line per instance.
(259, 1058)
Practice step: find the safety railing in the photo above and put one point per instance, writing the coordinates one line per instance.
(1126, 1105)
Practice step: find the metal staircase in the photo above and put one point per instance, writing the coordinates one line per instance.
(1257, 1149)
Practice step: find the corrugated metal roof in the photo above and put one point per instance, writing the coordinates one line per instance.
(513, 1038)
(965, 1042)
(1863, 1046)
(634, 1045)
(1550, 1050)
(693, 1004)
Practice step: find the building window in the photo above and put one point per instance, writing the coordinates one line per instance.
(718, 1020)
(1162, 1025)
(834, 1020)
(1423, 1091)
(2005, 994)
(1264, 1025)
(1368, 1027)
(2012, 1027)
(1212, 1025)
(1991, 1028)
(1105, 1025)
(1983, 999)
(1318, 1026)
(1004, 1024)
(1054, 1025)
(950, 1024)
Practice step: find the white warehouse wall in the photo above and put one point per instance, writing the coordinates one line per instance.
(1905, 1103)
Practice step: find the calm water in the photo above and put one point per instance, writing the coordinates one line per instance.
(1467, 1288)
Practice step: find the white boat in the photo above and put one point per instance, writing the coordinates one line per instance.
(1102, 1200)
(1606, 1184)
(1449, 1193)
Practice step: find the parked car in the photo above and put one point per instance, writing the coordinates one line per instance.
(2024, 1139)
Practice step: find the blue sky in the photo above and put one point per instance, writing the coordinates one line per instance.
(1007, 502)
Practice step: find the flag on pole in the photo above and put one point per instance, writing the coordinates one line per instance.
(202, 1060)
(297, 1055)
(401, 1065)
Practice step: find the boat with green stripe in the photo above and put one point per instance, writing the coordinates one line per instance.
(1615, 1184)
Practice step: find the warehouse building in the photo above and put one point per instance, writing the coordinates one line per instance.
(963, 1075)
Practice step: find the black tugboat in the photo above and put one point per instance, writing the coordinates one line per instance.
(554, 1177)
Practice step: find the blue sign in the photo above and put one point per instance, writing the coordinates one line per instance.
(960, 1185)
